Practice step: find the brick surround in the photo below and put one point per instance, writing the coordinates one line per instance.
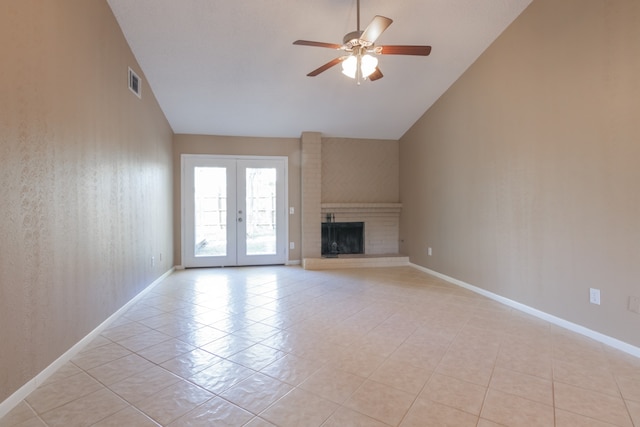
(381, 223)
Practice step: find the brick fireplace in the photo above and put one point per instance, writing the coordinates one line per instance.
(362, 184)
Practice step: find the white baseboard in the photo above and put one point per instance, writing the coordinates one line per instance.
(293, 262)
(605, 339)
(17, 397)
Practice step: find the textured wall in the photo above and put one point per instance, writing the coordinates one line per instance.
(523, 177)
(85, 181)
(240, 146)
(360, 170)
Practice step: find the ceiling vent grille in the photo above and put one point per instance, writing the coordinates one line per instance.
(135, 84)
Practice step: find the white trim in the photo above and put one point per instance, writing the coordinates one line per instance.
(12, 401)
(293, 262)
(605, 339)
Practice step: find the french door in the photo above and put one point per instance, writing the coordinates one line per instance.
(233, 210)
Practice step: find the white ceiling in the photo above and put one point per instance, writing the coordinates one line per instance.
(225, 67)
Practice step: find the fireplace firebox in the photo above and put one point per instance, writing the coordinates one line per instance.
(342, 238)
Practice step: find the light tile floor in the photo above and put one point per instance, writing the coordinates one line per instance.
(281, 346)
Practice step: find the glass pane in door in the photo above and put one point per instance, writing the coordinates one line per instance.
(261, 211)
(210, 188)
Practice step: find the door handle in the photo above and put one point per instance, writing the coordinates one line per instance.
(239, 219)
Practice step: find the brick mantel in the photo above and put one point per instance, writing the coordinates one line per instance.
(361, 207)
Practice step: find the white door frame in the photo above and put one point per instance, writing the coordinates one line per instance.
(184, 195)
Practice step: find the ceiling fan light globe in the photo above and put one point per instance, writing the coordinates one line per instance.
(368, 65)
(349, 67)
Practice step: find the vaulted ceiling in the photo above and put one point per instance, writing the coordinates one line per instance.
(223, 67)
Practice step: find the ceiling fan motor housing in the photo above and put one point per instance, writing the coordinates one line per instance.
(352, 39)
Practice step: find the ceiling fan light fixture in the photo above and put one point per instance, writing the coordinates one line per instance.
(368, 65)
(364, 64)
(350, 66)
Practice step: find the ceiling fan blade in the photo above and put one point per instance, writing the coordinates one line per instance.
(317, 44)
(376, 27)
(405, 50)
(326, 66)
(377, 74)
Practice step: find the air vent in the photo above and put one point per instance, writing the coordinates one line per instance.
(135, 84)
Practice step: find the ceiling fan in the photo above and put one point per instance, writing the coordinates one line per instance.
(359, 59)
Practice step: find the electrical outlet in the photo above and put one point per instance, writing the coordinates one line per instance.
(634, 304)
(594, 296)
(153, 261)
(291, 210)
(429, 251)
(292, 245)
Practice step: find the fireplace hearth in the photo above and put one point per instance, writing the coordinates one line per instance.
(341, 238)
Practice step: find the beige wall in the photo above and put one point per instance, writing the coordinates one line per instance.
(360, 170)
(85, 181)
(240, 146)
(523, 177)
